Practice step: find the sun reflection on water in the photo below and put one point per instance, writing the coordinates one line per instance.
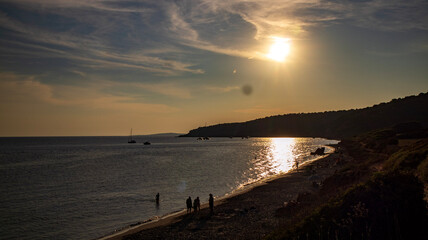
(282, 156)
(273, 156)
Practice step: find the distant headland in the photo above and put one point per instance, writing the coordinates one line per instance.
(408, 112)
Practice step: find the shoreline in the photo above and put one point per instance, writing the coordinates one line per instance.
(177, 216)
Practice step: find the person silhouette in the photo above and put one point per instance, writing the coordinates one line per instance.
(296, 163)
(189, 205)
(211, 203)
(195, 205)
(198, 204)
(157, 199)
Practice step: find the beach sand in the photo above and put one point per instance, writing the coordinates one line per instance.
(248, 214)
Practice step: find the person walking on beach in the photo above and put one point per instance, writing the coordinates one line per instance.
(157, 199)
(189, 205)
(211, 203)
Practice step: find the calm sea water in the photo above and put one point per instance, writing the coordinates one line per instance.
(86, 187)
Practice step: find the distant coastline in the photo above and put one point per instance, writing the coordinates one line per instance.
(138, 135)
(330, 124)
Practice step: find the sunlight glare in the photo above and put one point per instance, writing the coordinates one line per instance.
(282, 151)
(280, 49)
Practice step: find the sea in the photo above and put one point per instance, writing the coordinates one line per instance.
(89, 187)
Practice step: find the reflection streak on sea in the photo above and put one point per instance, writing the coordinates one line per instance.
(275, 156)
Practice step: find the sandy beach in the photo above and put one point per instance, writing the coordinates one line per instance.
(251, 213)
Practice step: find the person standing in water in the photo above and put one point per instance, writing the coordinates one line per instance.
(157, 199)
(211, 203)
(189, 205)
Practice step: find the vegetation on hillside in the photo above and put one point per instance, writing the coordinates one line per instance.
(333, 124)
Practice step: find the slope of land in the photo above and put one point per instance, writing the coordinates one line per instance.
(333, 124)
(381, 194)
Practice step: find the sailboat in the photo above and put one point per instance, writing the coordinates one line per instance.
(130, 140)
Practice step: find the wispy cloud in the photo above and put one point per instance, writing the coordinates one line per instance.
(27, 90)
(91, 49)
(292, 19)
(222, 89)
(114, 34)
(113, 6)
(166, 89)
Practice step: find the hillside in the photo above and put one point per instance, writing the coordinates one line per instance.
(332, 124)
(381, 192)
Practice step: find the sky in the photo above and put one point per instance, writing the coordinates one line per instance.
(102, 67)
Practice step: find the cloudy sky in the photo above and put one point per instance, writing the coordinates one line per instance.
(100, 67)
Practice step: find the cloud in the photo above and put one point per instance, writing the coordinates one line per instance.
(178, 24)
(155, 36)
(167, 89)
(192, 22)
(383, 15)
(222, 89)
(30, 107)
(17, 91)
(111, 6)
(89, 49)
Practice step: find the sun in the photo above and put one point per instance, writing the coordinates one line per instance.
(279, 50)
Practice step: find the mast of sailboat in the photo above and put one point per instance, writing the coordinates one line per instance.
(130, 140)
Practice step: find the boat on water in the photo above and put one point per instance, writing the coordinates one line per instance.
(146, 143)
(203, 138)
(130, 140)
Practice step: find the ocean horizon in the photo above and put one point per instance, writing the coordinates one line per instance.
(88, 187)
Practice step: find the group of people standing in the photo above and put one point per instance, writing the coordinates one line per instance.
(197, 204)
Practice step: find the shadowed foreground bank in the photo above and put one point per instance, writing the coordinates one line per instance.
(381, 194)
(372, 187)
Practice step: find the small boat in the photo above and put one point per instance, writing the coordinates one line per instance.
(130, 140)
(146, 143)
(203, 138)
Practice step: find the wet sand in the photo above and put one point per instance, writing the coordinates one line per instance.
(246, 214)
